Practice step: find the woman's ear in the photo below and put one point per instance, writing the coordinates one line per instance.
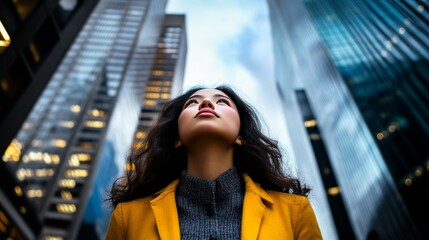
(238, 141)
(178, 143)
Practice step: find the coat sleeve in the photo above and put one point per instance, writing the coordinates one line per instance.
(307, 226)
(116, 230)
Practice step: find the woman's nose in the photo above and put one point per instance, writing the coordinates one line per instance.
(206, 103)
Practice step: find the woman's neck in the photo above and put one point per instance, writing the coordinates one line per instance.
(208, 160)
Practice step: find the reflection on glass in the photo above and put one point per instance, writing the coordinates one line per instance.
(4, 38)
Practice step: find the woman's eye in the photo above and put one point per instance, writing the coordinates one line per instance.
(189, 102)
(223, 101)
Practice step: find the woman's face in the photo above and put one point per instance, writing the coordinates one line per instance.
(209, 113)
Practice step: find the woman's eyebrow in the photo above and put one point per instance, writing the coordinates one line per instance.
(216, 95)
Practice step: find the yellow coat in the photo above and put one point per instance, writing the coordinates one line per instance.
(266, 215)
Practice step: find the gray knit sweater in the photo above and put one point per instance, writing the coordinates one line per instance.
(210, 209)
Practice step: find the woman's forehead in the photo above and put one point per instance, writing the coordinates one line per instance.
(209, 92)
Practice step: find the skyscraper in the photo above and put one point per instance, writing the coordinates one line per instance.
(34, 36)
(82, 126)
(363, 65)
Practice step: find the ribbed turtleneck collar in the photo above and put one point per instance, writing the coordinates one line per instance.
(206, 191)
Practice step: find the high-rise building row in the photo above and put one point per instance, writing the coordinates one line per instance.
(362, 68)
(127, 60)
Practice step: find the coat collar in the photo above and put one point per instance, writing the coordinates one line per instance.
(165, 211)
(255, 201)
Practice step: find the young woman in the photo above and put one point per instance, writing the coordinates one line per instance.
(208, 172)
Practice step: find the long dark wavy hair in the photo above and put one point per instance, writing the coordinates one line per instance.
(159, 161)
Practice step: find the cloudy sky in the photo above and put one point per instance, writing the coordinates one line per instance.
(229, 42)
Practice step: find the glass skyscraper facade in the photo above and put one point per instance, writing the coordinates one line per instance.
(34, 36)
(73, 144)
(364, 67)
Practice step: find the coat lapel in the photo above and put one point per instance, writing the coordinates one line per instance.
(165, 211)
(254, 206)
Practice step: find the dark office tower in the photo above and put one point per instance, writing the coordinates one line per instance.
(34, 36)
(364, 68)
(84, 122)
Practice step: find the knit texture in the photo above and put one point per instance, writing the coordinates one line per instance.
(210, 209)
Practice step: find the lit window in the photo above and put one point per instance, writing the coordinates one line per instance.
(85, 145)
(419, 172)
(333, 191)
(66, 195)
(167, 83)
(94, 124)
(18, 191)
(4, 37)
(97, 113)
(81, 157)
(61, 143)
(76, 173)
(13, 151)
(67, 183)
(35, 193)
(66, 208)
(152, 95)
(45, 172)
(50, 237)
(67, 124)
(34, 52)
(408, 181)
(138, 145)
(130, 167)
(74, 161)
(153, 89)
(55, 159)
(24, 173)
(75, 108)
(140, 135)
(149, 102)
(158, 73)
(155, 83)
(165, 96)
(310, 123)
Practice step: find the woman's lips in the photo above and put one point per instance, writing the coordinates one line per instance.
(206, 113)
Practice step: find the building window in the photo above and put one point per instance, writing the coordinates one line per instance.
(24, 7)
(4, 38)
(43, 42)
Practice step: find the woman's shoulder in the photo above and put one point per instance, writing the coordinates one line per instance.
(136, 203)
(146, 201)
(289, 198)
